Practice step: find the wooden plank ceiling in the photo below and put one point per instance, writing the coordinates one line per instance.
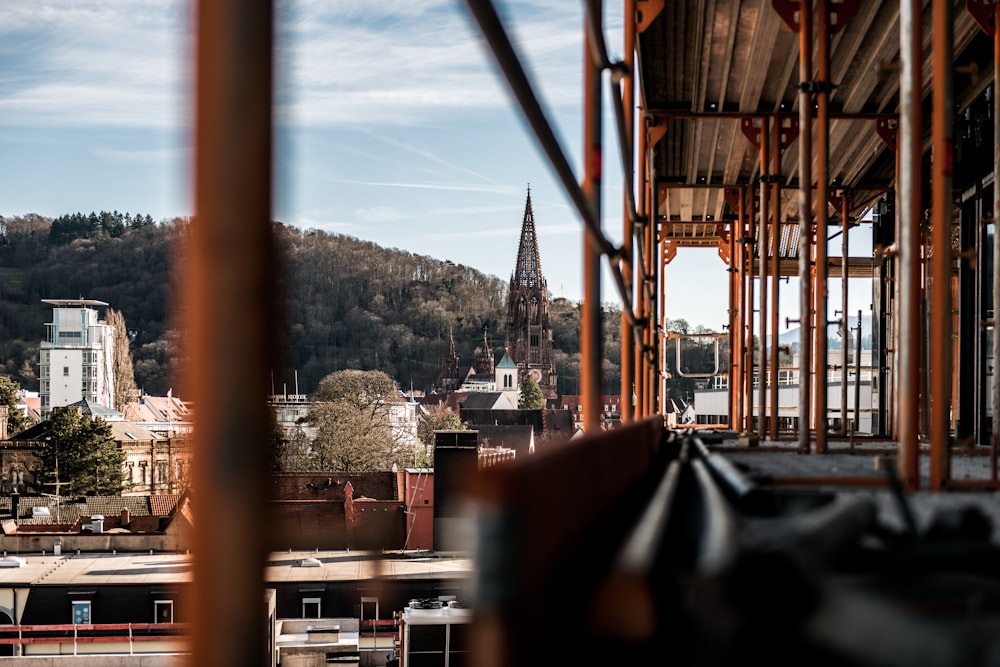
(706, 65)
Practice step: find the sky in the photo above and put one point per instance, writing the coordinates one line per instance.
(392, 125)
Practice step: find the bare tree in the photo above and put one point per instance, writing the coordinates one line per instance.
(352, 416)
(121, 365)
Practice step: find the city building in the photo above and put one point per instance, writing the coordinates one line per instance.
(76, 357)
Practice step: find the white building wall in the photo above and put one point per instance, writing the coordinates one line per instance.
(76, 357)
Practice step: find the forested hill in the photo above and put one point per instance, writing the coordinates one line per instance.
(350, 303)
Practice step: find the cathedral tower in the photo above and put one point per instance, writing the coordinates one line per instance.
(529, 329)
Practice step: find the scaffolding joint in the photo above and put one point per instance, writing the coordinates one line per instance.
(816, 86)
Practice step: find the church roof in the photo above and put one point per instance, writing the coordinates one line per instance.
(506, 362)
(528, 272)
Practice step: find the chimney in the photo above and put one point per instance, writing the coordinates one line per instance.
(126, 517)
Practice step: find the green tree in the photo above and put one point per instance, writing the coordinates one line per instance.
(352, 417)
(16, 421)
(531, 397)
(82, 456)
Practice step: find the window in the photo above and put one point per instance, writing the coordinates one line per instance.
(163, 611)
(311, 607)
(81, 612)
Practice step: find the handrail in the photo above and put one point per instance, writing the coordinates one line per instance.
(677, 340)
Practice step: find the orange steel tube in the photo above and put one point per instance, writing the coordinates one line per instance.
(820, 356)
(734, 297)
(941, 343)
(590, 318)
(844, 343)
(741, 335)
(628, 102)
(228, 298)
(762, 260)
(652, 257)
(775, 241)
(648, 209)
(805, 223)
(908, 241)
(995, 378)
(750, 328)
(827, 480)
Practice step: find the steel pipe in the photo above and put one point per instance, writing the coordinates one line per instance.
(590, 317)
(762, 255)
(820, 357)
(628, 361)
(805, 222)
(908, 240)
(230, 287)
(775, 240)
(995, 377)
(941, 213)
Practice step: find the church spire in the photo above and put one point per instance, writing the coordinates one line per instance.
(528, 272)
(529, 326)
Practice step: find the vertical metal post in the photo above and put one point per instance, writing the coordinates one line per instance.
(628, 102)
(734, 298)
(995, 377)
(752, 250)
(845, 207)
(908, 239)
(762, 259)
(857, 377)
(590, 324)
(820, 360)
(647, 199)
(941, 213)
(805, 221)
(229, 298)
(775, 269)
(745, 369)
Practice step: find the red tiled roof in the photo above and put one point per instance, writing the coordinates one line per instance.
(163, 504)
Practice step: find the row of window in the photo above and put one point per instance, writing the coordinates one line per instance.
(163, 611)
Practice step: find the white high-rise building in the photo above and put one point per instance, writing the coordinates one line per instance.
(76, 356)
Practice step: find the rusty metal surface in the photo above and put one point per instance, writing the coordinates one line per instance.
(231, 322)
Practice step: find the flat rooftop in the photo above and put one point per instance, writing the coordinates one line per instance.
(91, 569)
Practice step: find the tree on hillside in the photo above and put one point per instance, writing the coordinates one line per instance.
(81, 456)
(531, 397)
(16, 421)
(351, 414)
(121, 365)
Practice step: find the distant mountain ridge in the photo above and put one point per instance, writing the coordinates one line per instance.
(349, 303)
(791, 337)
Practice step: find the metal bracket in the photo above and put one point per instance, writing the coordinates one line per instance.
(816, 86)
(750, 130)
(645, 12)
(887, 128)
(984, 13)
(841, 11)
(788, 131)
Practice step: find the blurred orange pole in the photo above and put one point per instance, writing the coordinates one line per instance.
(628, 334)
(590, 320)
(229, 305)
(941, 214)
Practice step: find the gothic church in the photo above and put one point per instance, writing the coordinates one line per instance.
(529, 328)
(528, 325)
